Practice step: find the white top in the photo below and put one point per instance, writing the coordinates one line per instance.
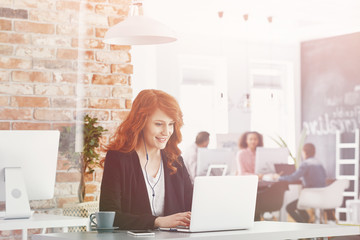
(190, 160)
(157, 183)
(261, 230)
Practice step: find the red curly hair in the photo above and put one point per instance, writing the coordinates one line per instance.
(146, 103)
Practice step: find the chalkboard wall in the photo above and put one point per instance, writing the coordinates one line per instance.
(330, 92)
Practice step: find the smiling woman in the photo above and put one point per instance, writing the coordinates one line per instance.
(145, 180)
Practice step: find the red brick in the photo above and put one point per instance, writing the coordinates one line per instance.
(91, 188)
(20, 76)
(115, 20)
(68, 103)
(92, 19)
(34, 231)
(87, 55)
(13, 13)
(121, 2)
(64, 65)
(97, 1)
(122, 91)
(128, 104)
(67, 29)
(121, 68)
(75, 54)
(73, 6)
(109, 79)
(15, 114)
(40, 15)
(35, 52)
(4, 126)
(4, 76)
(67, 176)
(107, 10)
(5, 25)
(95, 67)
(6, 50)
(73, 30)
(62, 201)
(15, 38)
(53, 90)
(120, 47)
(13, 63)
(89, 198)
(105, 103)
(88, 43)
(51, 40)
(72, 77)
(52, 115)
(96, 91)
(100, 32)
(68, 5)
(43, 4)
(16, 89)
(4, 101)
(23, 26)
(63, 164)
(20, 101)
(113, 57)
(6, 233)
(31, 126)
(67, 54)
(119, 115)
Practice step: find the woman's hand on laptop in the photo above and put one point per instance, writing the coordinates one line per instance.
(177, 219)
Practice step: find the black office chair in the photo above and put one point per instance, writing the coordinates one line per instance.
(270, 198)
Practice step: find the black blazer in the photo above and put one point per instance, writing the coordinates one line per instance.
(123, 190)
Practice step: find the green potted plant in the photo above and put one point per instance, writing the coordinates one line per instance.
(88, 159)
(85, 161)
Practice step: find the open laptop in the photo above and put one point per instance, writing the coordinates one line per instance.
(222, 203)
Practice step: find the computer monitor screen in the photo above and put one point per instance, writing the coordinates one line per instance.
(35, 153)
(229, 140)
(207, 157)
(266, 158)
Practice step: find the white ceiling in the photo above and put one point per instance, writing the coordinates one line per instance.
(293, 20)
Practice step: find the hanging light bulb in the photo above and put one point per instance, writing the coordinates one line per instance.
(139, 30)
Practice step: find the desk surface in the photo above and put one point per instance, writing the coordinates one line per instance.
(43, 221)
(261, 230)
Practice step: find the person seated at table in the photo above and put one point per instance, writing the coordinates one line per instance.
(145, 180)
(312, 174)
(190, 156)
(245, 157)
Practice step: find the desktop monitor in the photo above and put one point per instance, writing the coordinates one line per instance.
(209, 158)
(266, 158)
(28, 161)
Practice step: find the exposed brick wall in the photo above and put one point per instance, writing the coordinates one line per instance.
(54, 67)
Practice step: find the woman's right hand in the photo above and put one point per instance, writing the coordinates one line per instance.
(177, 219)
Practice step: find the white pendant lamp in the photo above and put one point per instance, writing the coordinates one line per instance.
(139, 30)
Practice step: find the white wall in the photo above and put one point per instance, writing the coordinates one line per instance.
(237, 52)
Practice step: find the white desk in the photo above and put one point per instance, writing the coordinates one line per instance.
(261, 230)
(42, 221)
